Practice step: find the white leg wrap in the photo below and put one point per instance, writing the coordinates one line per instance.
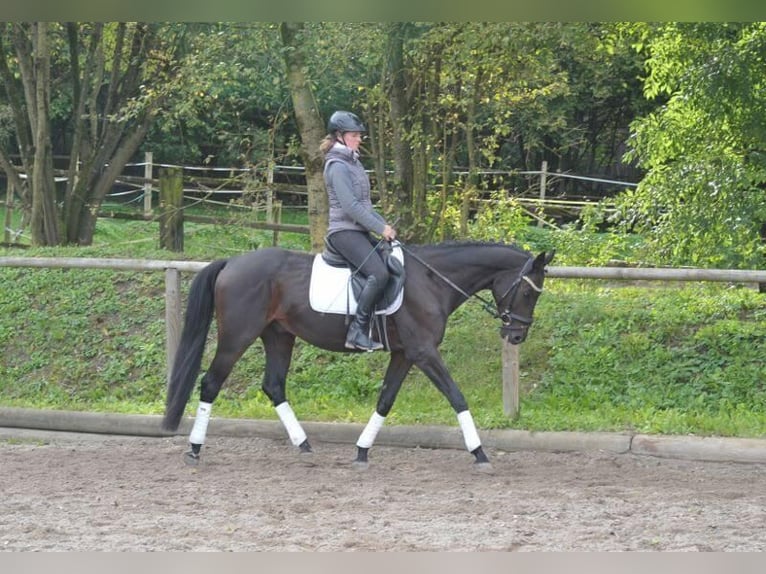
(199, 430)
(293, 427)
(367, 438)
(470, 436)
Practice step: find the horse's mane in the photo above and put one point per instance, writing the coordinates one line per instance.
(457, 244)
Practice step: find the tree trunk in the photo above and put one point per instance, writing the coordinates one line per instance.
(103, 144)
(311, 130)
(80, 140)
(472, 183)
(92, 190)
(376, 125)
(45, 226)
(448, 161)
(11, 173)
(15, 99)
(404, 170)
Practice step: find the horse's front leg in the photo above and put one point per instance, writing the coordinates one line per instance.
(397, 370)
(433, 366)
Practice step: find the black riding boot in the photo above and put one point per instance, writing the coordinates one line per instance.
(358, 332)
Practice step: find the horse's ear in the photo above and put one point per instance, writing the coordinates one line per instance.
(544, 258)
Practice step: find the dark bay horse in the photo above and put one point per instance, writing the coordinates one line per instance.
(265, 293)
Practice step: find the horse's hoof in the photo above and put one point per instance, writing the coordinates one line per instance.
(360, 465)
(305, 447)
(483, 467)
(191, 459)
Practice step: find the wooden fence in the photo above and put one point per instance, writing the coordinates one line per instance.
(172, 214)
(144, 180)
(541, 183)
(510, 353)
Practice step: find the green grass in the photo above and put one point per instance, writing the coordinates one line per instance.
(654, 358)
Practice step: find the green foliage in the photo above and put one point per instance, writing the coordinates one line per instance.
(702, 202)
(233, 104)
(584, 244)
(500, 218)
(216, 116)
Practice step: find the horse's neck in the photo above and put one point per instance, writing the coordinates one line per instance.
(474, 267)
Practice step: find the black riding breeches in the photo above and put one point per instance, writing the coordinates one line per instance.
(358, 248)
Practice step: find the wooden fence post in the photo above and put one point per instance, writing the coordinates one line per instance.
(278, 218)
(172, 316)
(510, 379)
(171, 209)
(270, 193)
(148, 172)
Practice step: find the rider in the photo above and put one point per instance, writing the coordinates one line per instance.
(352, 220)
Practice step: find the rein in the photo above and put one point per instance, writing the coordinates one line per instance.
(486, 305)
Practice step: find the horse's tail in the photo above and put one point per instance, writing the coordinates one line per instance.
(199, 315)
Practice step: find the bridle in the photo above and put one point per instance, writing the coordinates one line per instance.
(506, 316)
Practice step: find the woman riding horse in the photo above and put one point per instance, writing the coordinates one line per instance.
(352, 219)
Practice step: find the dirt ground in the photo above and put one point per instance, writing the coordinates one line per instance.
(98, 493)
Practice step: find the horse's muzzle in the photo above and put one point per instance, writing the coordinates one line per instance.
(514, 334)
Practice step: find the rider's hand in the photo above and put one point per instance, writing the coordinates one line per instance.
(389, 233)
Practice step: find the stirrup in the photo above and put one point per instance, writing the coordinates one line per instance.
(353, 343)
(375, 346)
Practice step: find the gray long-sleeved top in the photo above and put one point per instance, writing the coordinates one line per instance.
(348, 193)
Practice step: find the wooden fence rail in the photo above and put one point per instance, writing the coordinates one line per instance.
(510, 353)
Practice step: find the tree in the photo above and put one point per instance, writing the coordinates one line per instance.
(702, 201)
(233, 106)
(435, 96)
(452, 90)
(397, 77)
(311, 129)
(111, 80)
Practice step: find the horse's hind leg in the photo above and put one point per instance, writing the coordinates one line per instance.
(211, 384)
(278, 345)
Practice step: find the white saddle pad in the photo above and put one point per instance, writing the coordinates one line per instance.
(330, 288)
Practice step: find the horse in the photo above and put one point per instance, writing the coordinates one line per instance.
(265, 293)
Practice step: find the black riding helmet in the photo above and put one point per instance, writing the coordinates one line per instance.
(341, 121)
